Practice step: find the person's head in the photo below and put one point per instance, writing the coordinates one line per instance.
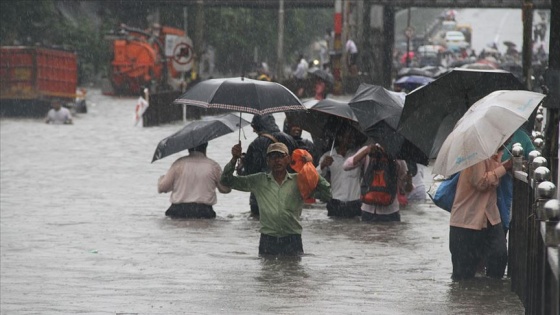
(277, 157)
(320, 88)
(294, 130)
(57, 104)
(199, 148)
(264, 123)
(346, 136)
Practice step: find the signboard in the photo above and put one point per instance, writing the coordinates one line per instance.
(183, 53)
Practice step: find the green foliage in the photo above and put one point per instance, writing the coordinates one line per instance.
(236, 32)
(29, 22)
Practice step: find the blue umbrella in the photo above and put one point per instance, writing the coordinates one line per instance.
(412, 82)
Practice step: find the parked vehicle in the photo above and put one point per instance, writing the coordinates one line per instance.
(455, 40)
(32, 77)
(157, 58)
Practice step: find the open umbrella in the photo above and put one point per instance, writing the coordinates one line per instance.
(373, 103)
(323, 118)
(323, 75)
(241, 95)
(379, 111)
(483, 128)
(431, 111)
(412, 82)
(198, 132)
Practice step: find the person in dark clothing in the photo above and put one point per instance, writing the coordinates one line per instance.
(295, 130)
(254, 160)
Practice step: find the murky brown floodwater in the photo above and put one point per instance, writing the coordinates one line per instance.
(83, 231)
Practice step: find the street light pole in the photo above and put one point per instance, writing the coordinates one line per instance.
(280, 52)
(408, 39)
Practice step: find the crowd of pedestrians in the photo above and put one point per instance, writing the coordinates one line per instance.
(356, 179)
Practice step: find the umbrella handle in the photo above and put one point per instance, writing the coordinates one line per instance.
(239, 136)
(332, 147)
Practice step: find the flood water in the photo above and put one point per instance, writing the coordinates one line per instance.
(83, 230)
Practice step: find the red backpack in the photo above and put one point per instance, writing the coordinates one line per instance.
(379, 183)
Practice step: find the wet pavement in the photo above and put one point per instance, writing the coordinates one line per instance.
(83, 230)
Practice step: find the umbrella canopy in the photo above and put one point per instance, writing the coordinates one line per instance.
(323, 75)
(241, 95)
(323, 118)
(373, 103)
(413, 71)
(483, 128)
(379, 111)
(412, 82)
(198, 132)
(431, 111)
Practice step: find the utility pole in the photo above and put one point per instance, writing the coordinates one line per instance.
(528, 43)
(337, 55)
(280, 51)
(552, 101)
(199, 33)
(408, 36)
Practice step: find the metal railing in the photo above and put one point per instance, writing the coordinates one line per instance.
(534, 239)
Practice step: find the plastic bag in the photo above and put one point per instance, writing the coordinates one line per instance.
(307, 178)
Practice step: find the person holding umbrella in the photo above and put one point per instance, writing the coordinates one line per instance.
(279, 199)
(192, 181)
(474, 148)
(345, 185)
(475, 225)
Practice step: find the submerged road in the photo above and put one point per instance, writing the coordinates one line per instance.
(82, 230)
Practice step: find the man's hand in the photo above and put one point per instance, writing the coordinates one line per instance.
(236, 151)
(508, 164)
(327, 161)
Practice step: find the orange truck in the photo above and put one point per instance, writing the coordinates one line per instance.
(156, 58)
(32, 77)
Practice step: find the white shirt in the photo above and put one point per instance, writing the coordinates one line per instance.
(301, 70)
(351, 47)
(59, 117)
(345, 185)
(419, 191)
(193, 179)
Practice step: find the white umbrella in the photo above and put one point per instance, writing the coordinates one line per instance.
(483, 128)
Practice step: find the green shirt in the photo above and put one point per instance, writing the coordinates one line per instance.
(280, 205)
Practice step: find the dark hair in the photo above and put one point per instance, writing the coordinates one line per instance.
(199, 148)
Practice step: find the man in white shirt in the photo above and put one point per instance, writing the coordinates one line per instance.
(352, 56)
(345, 185)
(192, 181)
(301, 69)
(58, 115)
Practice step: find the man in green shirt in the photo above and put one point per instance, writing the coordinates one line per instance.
(279, 199)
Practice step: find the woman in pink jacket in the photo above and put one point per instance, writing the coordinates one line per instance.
(475, 226)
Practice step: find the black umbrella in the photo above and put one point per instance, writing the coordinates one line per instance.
(373, 103)
(322, 120)
(378, 111)
(198, 132)
(323, 75)
(241, 95)
(431, 111)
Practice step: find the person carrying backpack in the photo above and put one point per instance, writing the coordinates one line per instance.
(382, 177)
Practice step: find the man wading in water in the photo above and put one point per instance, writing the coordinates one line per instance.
(279, 199)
